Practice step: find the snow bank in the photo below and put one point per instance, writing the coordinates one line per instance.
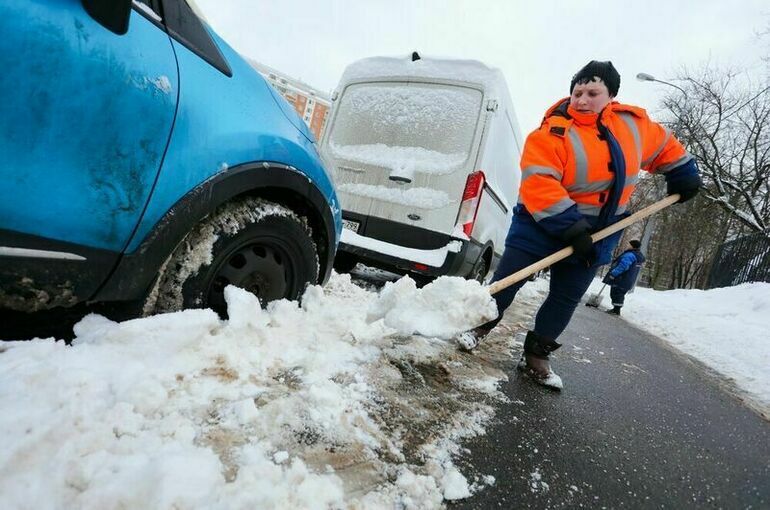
(287, 407)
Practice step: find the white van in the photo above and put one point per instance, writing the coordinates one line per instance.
(425, 155)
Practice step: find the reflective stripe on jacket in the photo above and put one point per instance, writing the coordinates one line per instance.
(567, 168)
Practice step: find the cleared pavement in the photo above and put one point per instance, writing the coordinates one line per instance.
(638, 425)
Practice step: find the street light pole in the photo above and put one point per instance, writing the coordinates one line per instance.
(649, 77)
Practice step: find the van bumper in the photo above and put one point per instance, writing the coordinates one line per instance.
(456, 263)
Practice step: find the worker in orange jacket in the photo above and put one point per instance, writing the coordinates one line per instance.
(579, 169)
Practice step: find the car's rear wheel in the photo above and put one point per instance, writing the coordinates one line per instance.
(479, 271)
(253, 244)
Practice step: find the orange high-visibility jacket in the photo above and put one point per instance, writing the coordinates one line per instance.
(565, 162)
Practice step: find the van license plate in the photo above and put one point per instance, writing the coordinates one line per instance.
(351, 225)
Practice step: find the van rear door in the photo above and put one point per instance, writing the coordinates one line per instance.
(402, 151)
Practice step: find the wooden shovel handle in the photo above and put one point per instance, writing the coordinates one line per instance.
(597, 236)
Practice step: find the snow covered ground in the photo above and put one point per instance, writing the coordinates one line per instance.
(322, 405)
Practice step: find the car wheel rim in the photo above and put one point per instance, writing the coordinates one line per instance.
(263, 268)
(480, 272)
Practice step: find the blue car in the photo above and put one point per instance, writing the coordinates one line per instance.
(142, 160)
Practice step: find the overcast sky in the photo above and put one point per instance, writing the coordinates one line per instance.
(538, 45)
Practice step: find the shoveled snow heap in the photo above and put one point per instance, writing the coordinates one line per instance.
(311, 406)
(445, 307)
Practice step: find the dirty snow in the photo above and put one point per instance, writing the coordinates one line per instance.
(321, 405)
(195, 250)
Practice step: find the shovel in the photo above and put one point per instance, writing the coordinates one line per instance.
(596, 299)
(597, 236)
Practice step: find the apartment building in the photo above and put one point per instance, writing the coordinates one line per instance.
(311, 104)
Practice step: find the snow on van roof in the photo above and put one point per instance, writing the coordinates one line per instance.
(470, 71)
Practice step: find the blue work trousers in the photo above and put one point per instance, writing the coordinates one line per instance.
(618, 295)
(569, 281)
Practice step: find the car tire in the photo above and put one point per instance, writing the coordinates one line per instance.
(344, 262)
(254, 244)
(480, 270)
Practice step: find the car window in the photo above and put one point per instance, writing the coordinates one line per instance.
(187, 28)
(383, 123)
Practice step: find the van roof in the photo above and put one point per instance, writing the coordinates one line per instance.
(470, 71)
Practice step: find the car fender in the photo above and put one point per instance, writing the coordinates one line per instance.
(137, 270)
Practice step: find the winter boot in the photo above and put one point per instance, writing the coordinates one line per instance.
(469, 340)
(534, 361)
(615, 310)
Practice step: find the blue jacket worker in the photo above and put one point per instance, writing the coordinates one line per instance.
(622, 275)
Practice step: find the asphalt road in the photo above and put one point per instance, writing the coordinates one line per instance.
(637, 425)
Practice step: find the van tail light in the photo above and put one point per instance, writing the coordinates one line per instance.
(471, 200)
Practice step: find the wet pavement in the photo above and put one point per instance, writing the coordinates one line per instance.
(638, 425)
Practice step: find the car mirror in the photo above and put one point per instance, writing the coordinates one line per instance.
(111, 14)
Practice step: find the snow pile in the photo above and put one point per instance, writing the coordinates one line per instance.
(443, 308)
(288, 407)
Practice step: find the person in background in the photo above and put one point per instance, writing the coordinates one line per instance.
(622, 275)
(579, 169)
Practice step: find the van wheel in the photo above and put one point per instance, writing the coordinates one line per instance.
(344, 262)
(253, 244)
(479, 271)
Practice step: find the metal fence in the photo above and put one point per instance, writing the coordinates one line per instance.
(742, 260)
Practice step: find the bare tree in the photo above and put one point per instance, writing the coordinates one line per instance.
(724, 121)
(683, 238)
(723, 118)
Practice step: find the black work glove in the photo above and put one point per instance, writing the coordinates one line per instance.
(608, 279)
(579, 238)
(687, 184)
(685, 193)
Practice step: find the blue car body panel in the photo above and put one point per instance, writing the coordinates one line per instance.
(213, 132)
(84, 122)
(106, 139)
